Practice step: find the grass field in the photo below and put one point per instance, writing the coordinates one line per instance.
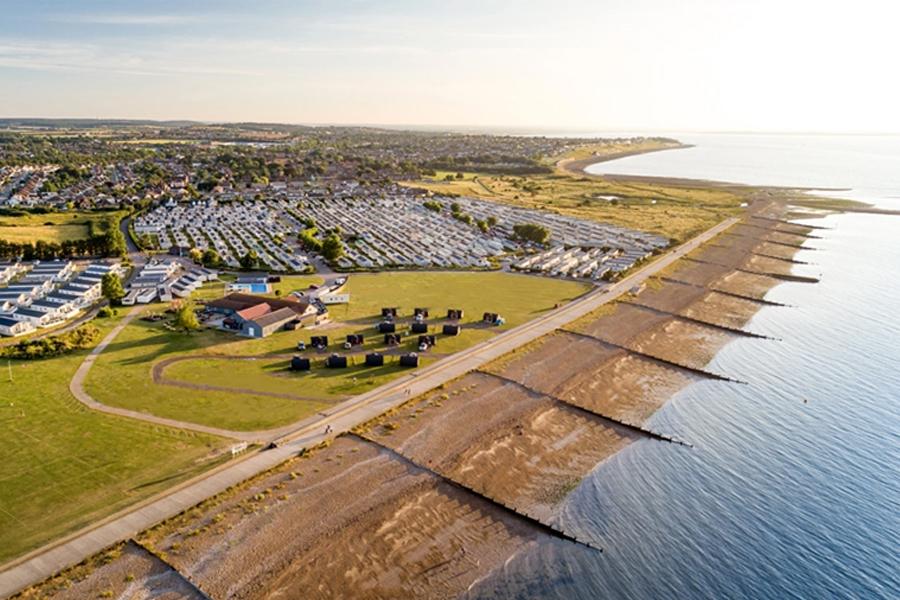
(51, 227)
(65, 466)
(122, 374)
(675, 212)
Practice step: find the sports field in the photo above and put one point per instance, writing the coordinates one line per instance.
(262, 393)
(65, 466)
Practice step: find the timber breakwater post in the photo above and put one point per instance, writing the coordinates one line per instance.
(593, 413)
(727, 293)
(548, 528)
(781, 276)
(701, 322)
(665, 361)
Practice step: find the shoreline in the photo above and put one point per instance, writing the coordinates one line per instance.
(543, 405)
(577, 168)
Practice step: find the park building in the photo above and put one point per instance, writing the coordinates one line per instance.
(260, 316)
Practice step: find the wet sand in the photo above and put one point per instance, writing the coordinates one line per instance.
(514, 445)
(351, 521)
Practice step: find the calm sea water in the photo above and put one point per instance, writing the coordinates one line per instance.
(793, 487)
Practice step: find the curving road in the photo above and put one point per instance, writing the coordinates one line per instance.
(48, 560)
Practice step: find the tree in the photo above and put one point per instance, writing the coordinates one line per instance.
(211, 259)
(196, 254)
(491, 221)
(114, 240)
(185, 318)
(332, 248)
(531, 232)
(250, 260)
(309, 241)
(111, 287)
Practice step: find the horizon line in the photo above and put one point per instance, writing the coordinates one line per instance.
(535, 130)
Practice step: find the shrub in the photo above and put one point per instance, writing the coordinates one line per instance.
(57, 345)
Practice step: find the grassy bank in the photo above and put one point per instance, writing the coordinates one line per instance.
(676, 212)
(65, 466)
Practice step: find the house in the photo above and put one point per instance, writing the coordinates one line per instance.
(13, 327)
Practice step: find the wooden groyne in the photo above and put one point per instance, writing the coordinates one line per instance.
(591, 412)
(793, 261)
(781, 231)
(664, 361)
(548, 528)
(767, 241)
(701, 322)
(781, 276)
(786, 222)
(726, 293)
(181, 576)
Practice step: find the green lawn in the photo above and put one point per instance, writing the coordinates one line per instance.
(65, 466)
(273, 375)
(51, 227)
(122, 374)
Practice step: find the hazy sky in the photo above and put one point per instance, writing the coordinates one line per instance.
(590, 65)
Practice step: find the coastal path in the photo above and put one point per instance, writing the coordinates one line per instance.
(44, 562)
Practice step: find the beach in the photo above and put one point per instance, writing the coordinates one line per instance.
(433, 497)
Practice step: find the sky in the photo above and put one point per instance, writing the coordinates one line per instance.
(579, 65)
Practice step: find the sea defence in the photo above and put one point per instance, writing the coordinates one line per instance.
(430, 497)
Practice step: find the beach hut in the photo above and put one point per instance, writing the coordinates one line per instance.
(419, 327)
(450, 330)
(392, 339)
(298, 363)
(385, 327)
(454, 314)
(389, 311)
(319, 341)
(409, 360)
(420, 312)
(356, 339)
(336, 361)
(428, 340)
(489, 318)
(374, 359)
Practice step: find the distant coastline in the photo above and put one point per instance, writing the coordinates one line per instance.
(577, 166)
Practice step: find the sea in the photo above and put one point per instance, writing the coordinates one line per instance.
(792, 486)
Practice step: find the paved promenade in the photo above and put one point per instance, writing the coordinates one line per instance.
(45, 562)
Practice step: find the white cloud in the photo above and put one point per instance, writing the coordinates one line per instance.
(125, 19)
